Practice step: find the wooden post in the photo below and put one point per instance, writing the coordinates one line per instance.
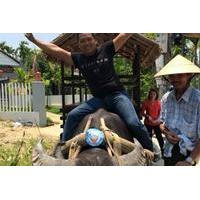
(165, 42)
(136, 75)
(73, 88)
(80, 88)
(63, 92)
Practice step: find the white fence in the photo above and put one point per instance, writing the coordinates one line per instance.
(23, 102)
(15, 97)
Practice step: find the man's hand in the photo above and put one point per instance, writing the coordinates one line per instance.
(52, 49)
(120, 40)
(30, 36)
(163, 128)
(171, 136)
(183, 163)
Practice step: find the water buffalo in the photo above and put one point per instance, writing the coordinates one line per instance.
(117, 151)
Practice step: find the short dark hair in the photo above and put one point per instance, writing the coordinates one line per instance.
(153, 90)
(78, 35)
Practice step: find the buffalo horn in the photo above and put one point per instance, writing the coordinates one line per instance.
(136, 157)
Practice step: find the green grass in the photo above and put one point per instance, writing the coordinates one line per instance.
(53, 109)
(49, 122)
(11, 156)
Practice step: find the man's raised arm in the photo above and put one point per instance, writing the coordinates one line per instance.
(120, 40)
(52, 49)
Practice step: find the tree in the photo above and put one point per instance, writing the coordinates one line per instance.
(26, 54)
(51, 71)
(147, 81)
(21, 75)
(7, 49)
(189, 48)
(123, 66)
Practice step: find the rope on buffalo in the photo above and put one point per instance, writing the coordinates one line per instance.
(75, 148)
(105, 130)
(120, 145)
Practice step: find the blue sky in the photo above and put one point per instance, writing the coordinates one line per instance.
(13, 39)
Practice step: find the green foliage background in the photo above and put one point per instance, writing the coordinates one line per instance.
(51, 71)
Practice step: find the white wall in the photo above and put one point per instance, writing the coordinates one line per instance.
(56, 100)
(20, 116)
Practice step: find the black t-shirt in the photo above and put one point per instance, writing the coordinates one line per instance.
(98, 70)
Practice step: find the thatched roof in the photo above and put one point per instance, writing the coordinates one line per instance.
(192, 35)
(149, 49)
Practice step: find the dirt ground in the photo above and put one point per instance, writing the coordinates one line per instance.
(10, 132)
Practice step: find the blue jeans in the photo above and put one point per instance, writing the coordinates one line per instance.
(118, 103)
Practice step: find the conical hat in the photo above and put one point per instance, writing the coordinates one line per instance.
(178, 65)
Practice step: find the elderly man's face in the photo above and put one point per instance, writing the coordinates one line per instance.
(179, 81)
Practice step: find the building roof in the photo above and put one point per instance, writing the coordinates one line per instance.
(192, 35)
(7, 60)
(149, 49)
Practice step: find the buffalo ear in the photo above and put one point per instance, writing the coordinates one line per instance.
(57, 152)
(40, 158)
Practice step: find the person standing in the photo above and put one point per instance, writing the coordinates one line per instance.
(180, 114)
(151, 112)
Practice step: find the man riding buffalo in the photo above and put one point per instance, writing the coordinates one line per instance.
(96, 66)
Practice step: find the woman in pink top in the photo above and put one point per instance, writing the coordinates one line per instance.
(151, 111)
